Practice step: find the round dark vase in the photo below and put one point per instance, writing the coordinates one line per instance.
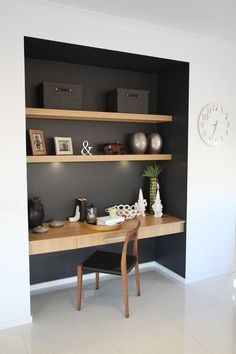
(36, 212)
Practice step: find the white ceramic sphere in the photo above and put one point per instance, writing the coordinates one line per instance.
(154, 143)
(138, 143)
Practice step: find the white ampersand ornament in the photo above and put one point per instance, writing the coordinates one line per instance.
(86, 148)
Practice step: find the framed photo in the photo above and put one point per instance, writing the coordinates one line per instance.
(63, 145)
(37, 142)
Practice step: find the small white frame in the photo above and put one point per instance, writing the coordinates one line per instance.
(63, 145)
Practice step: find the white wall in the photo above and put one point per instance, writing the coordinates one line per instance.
(211, 170)
(14, 267)
(211, 173)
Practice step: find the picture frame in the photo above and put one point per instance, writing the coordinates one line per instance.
(37, 142)
(63, 145)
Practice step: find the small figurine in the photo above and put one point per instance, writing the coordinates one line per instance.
(157, 206)
(77, 215)
(141, 204)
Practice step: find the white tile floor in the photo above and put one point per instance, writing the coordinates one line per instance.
(168, 318)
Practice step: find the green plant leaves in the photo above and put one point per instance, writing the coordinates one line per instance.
(152, 171)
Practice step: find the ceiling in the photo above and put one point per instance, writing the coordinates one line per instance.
(215, 18)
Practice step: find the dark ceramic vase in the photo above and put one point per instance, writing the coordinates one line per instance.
(36, 212)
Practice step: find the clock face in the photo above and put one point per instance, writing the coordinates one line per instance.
(213, 124)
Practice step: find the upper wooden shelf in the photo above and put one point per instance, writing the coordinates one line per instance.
(97, 158)
(63, 114)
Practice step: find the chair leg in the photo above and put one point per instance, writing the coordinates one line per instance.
(125, 292)
(137, 278)
(97, 280)
(79, 286)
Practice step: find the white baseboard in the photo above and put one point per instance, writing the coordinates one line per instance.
(15, 323)
(71, 282)
(175, 277)
(169, 273)
(211, 275)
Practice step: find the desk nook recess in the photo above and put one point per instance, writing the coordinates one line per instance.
(60, 179)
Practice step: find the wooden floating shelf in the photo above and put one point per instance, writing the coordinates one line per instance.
(63, 114)
(97, 158)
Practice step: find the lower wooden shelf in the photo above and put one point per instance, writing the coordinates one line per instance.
(97, 158)
(77, 235)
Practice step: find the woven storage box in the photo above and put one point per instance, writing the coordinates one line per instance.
(126, 100)
(60, 95)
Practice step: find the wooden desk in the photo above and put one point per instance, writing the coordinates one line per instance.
(77, 235)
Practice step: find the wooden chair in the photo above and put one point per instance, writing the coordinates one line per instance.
(113, 263)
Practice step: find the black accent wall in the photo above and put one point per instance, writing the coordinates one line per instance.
(173, 95)
(105, 184)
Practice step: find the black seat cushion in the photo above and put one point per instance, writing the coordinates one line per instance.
(108, 262)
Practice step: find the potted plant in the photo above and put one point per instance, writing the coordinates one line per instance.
(152, 172)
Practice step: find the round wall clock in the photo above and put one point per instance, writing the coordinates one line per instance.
(213, 124)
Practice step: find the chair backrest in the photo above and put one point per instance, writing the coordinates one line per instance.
(131, 235)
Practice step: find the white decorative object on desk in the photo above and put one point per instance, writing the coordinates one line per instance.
(107, 220)
(77, 215)
(127, 211)
(157, 206)
(86, 148)
(141, 204)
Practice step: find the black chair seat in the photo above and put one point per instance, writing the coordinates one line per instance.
(112, 263)
(108, 262)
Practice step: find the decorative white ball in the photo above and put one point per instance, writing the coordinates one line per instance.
(125, 210)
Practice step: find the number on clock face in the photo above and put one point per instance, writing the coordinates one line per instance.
(213, 124)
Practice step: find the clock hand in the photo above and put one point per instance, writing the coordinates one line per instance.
(216, 123)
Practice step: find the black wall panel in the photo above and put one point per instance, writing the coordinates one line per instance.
(170, 252)
(105, 184)
(95, 81)
(173, 97)
(59, 265)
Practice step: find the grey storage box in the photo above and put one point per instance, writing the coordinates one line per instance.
(59, 95)
(127, 100)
